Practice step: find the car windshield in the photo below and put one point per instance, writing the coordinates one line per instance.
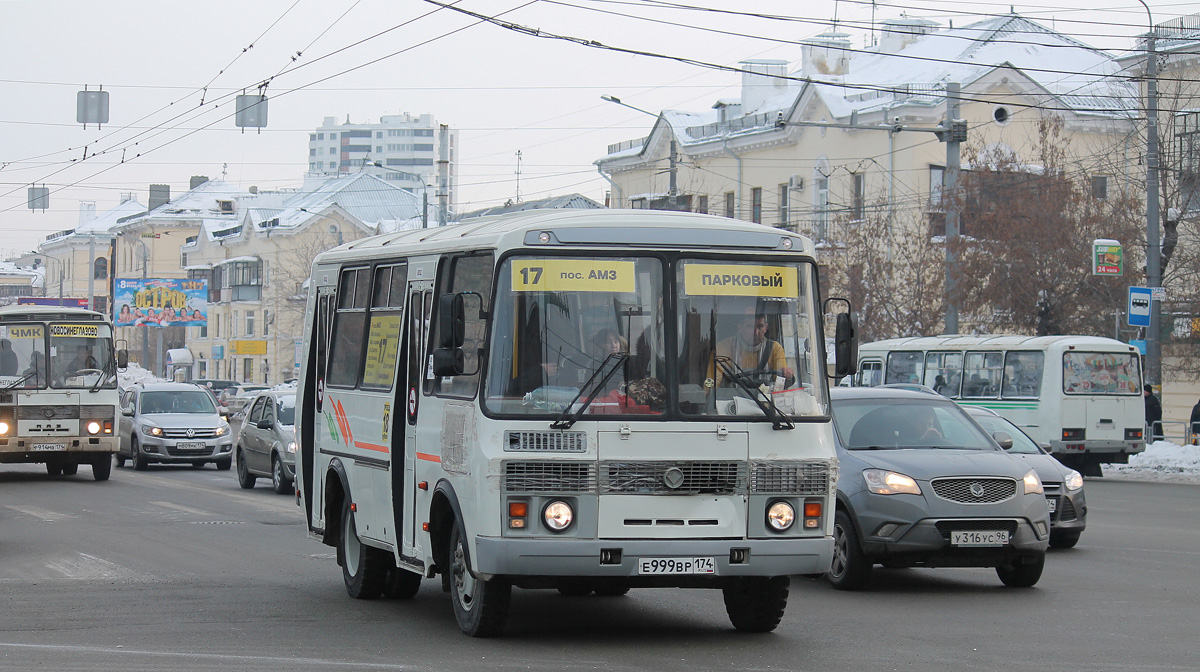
(285, 409)
(897, 423)
(184, 401)
(1022, 444)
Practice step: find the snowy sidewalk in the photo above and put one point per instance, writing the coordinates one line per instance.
(1163, 461)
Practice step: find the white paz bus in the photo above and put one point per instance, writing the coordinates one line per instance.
(573, 400)
(1081, 395)
(58, 389)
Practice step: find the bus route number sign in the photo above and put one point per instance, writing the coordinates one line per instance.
(572, 275)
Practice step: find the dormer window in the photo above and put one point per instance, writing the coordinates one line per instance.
(226, 207)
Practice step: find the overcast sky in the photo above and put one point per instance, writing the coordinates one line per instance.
(505, 91)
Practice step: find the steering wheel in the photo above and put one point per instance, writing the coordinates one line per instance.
(85, 372)
(755, 377)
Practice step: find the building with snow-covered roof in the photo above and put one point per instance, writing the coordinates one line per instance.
(832, 139)
(78, 261)
(19, 281)
(256, 265)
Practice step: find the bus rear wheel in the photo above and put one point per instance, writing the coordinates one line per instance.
(480, 605)
(70, 468)
(364, 568)
(756, 603)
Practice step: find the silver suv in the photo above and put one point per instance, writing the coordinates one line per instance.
(174, 423)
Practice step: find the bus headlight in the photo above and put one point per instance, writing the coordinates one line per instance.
(93, 427)
(3, 427)
(1033, 484)
(780, 516)
(151, 430)
(558, 515)
(1073, 481)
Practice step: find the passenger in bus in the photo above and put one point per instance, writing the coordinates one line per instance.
(37, 370)
(8, 358)
(751, 350)
(83, 360)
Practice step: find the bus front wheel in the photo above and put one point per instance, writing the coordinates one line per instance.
(102, 468)
(756, 603)
(480, 605)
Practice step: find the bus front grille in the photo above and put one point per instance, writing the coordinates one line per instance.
(558, 442)
(549, 477)
(673, 478)
(47, 412)
(789, 478)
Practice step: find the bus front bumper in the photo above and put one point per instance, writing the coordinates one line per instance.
(83, 448)
(620, 557)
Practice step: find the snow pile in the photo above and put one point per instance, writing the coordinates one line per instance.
(1162, 461)
(136, 374)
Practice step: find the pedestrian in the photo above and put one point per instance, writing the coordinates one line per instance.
(1194, 424)
(1153, 413)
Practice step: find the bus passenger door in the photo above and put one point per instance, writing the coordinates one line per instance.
(416, 334)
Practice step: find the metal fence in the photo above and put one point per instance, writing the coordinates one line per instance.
(1176, 431)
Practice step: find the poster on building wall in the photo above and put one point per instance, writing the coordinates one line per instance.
(160, 302)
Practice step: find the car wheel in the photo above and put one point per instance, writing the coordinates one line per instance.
(1020, 574)
(139, 461)
(850, 570)
(756, 603)
(401, 584)
(245, 478)
(279, 480)
(480, 606)
(70, 469)
(102, 468)
(54, 468)
(364, 568)
(1063, 539)
(225, 464)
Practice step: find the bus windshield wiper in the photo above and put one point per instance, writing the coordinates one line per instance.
(105, 373)
(567, 418)
(732, 371)
(20, 381)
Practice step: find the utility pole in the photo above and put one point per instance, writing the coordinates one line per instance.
(1153, 253)
(952, 138)
(91, 272)
(673, 185)
(443, 173)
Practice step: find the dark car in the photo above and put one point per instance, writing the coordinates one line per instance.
(1063, 485)
(922, 485)
(217, 385)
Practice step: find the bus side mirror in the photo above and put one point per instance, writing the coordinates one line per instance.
(845, 340)
(122, 358)
(449, 362)
(452, 322)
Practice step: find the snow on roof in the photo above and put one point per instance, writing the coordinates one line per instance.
(107, 220)
(362, 195)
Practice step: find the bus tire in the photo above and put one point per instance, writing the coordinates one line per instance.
(364, 568)
(54, 468)
(70, 468)
(850, 569)
(574, 588)
(1018, 574)
(401, 584)
(245, 478)
(612, 591)
(102, 468)
(480, 606)
(756, 603)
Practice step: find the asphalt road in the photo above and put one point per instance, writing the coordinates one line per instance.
(180, 569)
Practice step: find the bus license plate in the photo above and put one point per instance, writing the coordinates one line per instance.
(190, 445)
(979, 538)
(47, 446)
(677, 566)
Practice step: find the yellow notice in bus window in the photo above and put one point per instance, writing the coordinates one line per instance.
(739, 280)
(383, 344)
(77, 330)
(22, 332)
(572, 275)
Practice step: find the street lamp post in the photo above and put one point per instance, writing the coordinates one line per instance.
(424, 191)
(673, 171)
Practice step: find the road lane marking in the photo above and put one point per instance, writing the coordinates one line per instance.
(180, 507)
(44, 514)
(83, 567)
(320, 663)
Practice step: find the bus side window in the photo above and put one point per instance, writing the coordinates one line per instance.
(383, 332)
(905, 367)
(464, 273)
(348, 326)
(870, 373)
(1023, 374)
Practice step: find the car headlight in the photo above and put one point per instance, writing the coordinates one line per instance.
(884, 482)
(93, 427)
(4, 428)
(1033, 484)
(558, 515)
(222, 430)
(151, 430)
(1074, 480)
(780, 516)
(291, 447)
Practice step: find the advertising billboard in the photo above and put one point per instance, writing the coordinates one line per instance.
(48, 301)
(160, 302)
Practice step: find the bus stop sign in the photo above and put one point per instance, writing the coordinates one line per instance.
(1139, 307)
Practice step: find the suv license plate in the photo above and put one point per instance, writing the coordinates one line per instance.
(1053, 504)
(47, 446)
(677, 566)
(979, 538)
(190, 445)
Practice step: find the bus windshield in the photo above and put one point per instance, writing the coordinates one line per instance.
(1101, 373)
(571, 328)
(81, 356)
(22, 356)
